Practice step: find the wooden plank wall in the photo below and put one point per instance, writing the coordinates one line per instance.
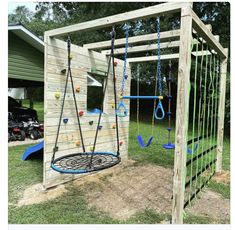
(82, 62)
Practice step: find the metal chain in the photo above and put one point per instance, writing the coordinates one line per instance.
(159, 80)
(124, 77)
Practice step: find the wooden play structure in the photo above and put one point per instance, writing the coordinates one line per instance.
(196, 44)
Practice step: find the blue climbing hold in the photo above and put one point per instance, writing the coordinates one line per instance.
(65, 120)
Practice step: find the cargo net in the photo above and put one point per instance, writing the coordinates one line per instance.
(203, 117)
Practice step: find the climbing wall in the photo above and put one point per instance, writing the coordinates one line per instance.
(83, 61)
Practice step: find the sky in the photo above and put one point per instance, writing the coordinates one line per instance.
(12, 6)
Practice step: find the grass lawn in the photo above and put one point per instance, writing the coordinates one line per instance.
(72, 208)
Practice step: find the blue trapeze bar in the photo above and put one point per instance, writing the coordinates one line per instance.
(141, 97)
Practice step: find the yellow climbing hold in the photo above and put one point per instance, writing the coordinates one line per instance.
(57, 95)
(78, 89)
(91, 148)
(78, 143)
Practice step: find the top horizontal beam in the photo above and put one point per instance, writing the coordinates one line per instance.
(207, 35)
(172, 34)
(143, 13)
(133, 40)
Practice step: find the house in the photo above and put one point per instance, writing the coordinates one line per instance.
(26, 59)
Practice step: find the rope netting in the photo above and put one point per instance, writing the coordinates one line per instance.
(203, 117)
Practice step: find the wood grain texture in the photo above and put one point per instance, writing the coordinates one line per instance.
(206, 34)
(134, 15)
(221, 110)
(182, 116)
(134, 40)
(82, 62)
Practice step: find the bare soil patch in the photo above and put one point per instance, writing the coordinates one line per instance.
(127, 189)
(133, 189)
(212, 205)
(223, 177)
(37, 194)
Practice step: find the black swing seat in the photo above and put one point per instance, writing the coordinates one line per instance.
(79, 163)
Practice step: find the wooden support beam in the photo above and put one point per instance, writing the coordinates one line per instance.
(148, 12)
(206, 34)
(143, 48)
(153, 58)
(133, 40)
(182, 111)
(220, 129)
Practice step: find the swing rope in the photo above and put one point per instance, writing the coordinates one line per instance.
(139, 137)
(158, 76)
(111, 59)
(169, 145)
(69, 75)
(78, 163)
(138, 100)
(124, 77)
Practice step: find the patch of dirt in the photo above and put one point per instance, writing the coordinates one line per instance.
(130, 190)
(223, 177)
(25, 142)
(210, 204)
(126, 189)
(37, 194)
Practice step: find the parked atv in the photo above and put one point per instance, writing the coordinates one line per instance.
(15, 131)
(33, 129)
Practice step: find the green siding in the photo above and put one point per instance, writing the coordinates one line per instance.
(24, 61)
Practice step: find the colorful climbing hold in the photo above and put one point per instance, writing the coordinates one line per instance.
(63, 71)
(78, 89)
(78, 143)
(100, 127)
(113, 126)
(120, 143)
(65, 120)
(91, 122)
(113, 106)
(115, 63)
(91, 148)
(57, 95)
(81, 113)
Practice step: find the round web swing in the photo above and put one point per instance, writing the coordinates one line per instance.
(85, 162)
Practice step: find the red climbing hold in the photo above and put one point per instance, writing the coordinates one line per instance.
(81, 113)
(120, 143)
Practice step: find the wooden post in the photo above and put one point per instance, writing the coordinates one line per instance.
(220, 129)
(182, 115)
